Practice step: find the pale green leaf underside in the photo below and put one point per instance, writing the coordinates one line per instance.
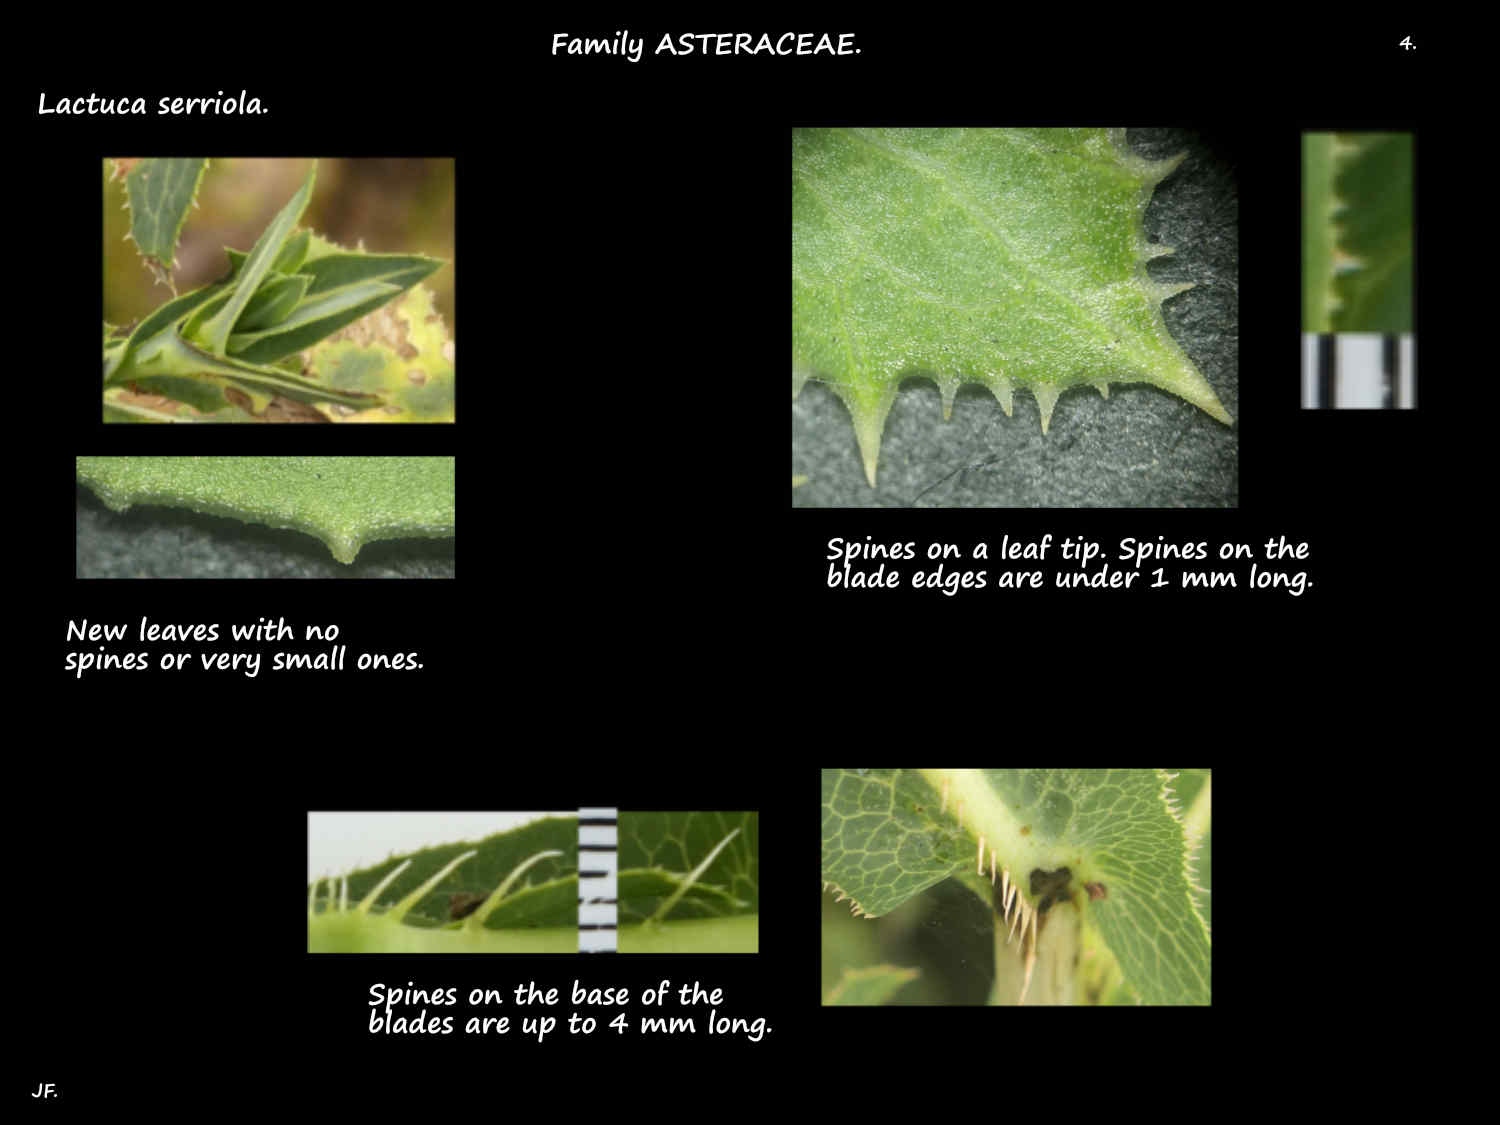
(1357, 232)
(1006, 257)
(890, 834)
(344, 501)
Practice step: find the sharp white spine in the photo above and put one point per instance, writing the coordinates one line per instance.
(1030, 964)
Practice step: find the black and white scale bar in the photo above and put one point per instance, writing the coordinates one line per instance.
(598, 866)
(1359, 371)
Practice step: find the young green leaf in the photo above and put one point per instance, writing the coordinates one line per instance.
(293, 253)
(272, 303)
(344, 285)
(214, 334)
(288, 261)
(310, 321)
(332, 267)
(190, 327)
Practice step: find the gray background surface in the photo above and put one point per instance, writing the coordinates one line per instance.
(1141, 448)
(154, 542)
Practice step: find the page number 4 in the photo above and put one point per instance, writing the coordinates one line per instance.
(1408, 44)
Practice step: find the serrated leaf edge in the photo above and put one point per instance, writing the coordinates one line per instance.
(869, 423)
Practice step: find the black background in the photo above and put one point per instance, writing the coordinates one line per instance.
(643, 619)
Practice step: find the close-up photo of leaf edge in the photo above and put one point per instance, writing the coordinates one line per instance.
(689, 882)
(999, 257)
(514, 891)
(1358, 232)
(1089, 886)
(299, 328)
(346, 502)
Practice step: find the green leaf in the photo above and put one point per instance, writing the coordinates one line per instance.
(292, 255)
(1357, 209)
(215, 333)
(666, 904)
(333, 267)
(1374, 230)
(169, 364)
(310, 321)
(875, 985)
(191, 327)
(1318, 206)
(539, 911)
(160, 194)
(344, 286)
(344, 501)
(1004, 257)
(147, 335)
(289, 261)
(272, 303)
(890, 834)
(884, 840)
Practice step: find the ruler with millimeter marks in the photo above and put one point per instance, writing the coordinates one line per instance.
(598, 882)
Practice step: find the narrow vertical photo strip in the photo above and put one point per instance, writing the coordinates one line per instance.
(1358, 271)
(435, 882)
(689, 882)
